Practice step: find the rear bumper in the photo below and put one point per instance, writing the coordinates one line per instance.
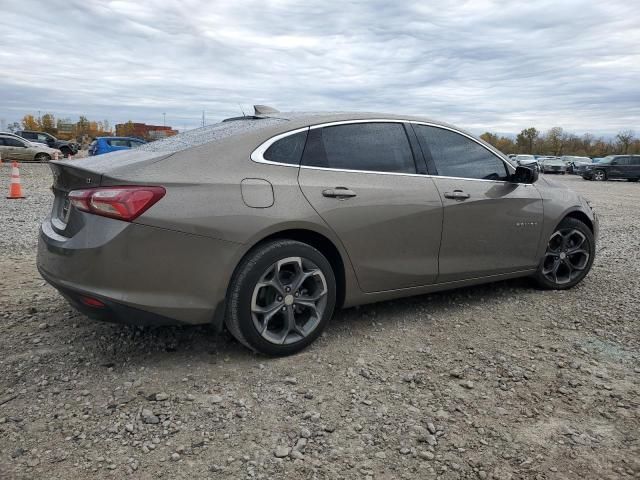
(144, 275)
(110, 310)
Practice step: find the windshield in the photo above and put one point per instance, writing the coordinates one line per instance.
(607, 159)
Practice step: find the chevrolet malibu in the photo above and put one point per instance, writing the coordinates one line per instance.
(267, 224)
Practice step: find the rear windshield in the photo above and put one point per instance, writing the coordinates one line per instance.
(207, 134)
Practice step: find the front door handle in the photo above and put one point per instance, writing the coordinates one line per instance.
(338, 192)
(457, 195)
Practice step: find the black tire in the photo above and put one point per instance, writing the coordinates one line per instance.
(66, 152)
(567, 225)
(239, 316)
(599, 175)
(632, 179)
(42, 157)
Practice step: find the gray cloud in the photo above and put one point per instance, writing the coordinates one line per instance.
(480, 64)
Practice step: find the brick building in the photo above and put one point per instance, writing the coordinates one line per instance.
(142, 130)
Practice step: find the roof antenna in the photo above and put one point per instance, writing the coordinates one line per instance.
(241, 109)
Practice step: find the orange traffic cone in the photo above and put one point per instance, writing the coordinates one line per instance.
(15, 190)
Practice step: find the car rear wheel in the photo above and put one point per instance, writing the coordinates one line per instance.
(599, 175)
(281, 297)
(42, 157)
(568, 257)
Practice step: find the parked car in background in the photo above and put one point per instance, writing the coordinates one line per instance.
(13, 147)
(9, 134)
(269, 224)
(525, 158)
(102, 145)
(614, 167)
(66, 148)
(575, 163)
(527, 161)
(553, 165)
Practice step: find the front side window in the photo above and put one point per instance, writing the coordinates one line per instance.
(635, 160)
(455, 155)
(288, 149)
(42, 137)
(14, 142)
(375, 147)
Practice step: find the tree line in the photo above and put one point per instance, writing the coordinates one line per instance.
(558, 142)
(62, 128)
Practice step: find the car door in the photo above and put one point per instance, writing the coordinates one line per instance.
(490, 225)
(634, 167)
(361, 179)
(618, 167)
(16, 149)
(4, 150)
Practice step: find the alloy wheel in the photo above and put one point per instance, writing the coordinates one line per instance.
(289, 300)
(599, 175)
(566, 257)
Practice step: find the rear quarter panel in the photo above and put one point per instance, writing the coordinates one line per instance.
(204, 197)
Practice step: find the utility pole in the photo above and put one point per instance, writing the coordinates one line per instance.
(164, 119)
(203, 118)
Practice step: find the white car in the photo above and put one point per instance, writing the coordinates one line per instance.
(13, 147)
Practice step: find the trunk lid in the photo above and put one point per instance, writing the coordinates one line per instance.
(89, 173)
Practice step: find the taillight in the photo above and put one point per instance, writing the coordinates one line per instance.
(124, 203)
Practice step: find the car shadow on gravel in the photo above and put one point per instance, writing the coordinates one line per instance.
(439, 302)
(111, 343)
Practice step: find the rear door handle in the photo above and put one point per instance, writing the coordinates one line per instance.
(457, 195)
(338, 192)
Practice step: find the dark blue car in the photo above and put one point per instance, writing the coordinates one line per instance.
(102, 145)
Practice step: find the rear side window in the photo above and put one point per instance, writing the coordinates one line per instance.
(288, 149)
(118, 143)
(455, 155)
(635, 160)
(29, 135)
(376, 147)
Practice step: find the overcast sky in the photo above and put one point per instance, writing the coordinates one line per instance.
(483, 65)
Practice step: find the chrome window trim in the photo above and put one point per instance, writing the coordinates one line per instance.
(257, 154)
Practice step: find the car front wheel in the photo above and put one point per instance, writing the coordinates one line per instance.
(568, 257)
(599, 175)
(281, 297)
(42, 157)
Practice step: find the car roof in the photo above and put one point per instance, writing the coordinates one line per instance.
(315, 118)
(255, 129)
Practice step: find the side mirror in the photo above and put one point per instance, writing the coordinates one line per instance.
(614, 162)
(528, 174)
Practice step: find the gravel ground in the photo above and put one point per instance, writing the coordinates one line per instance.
(500, 381)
